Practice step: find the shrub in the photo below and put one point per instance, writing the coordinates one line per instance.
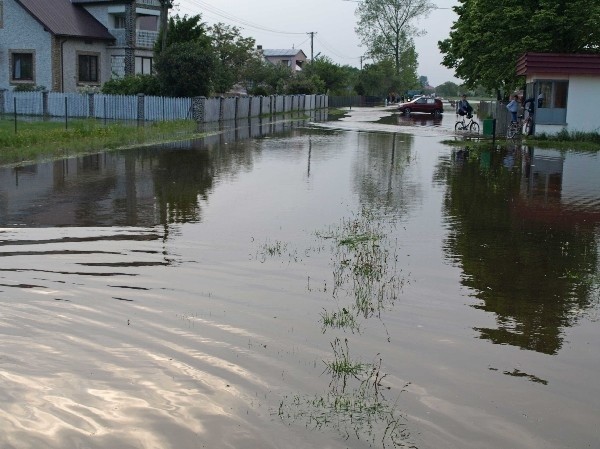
(132, 85)
(186, 69)
(29, 87)
(260, 91)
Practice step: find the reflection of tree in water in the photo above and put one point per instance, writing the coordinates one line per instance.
(182, 177)
(380, 175)
(534, 277)
(100, 181)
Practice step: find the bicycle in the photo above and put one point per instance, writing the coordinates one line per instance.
(520, 127)
(471, 126)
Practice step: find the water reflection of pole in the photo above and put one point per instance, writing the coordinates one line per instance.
(392, 166)
(309, 153)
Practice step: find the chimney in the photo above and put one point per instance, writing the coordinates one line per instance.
(259, 47)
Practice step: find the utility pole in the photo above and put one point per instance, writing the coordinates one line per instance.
(312, 38)
(165, 5)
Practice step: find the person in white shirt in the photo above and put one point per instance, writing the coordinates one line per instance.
(513, 108)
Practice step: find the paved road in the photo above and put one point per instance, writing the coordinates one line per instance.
(389, 119)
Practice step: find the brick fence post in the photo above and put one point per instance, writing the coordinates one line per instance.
(91, 105)
(140, 108)
(199, 109)
(45, 103)
(3, 101)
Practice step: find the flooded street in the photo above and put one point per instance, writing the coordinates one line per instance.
(347, 284)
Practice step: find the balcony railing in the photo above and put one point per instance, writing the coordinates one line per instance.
(148, 2)
(144, 38)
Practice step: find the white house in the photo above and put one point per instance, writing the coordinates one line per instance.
(566, 88)
(292, 58)
(65, 45)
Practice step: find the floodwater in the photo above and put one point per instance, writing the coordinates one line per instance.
(344, 284)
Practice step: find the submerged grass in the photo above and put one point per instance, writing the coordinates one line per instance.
(342, 365)
(355, 406)
(340, 319)
(49, 139)
(366, 281)
(365, 263)
(563, 140)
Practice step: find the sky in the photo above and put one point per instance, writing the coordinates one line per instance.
(283, 24)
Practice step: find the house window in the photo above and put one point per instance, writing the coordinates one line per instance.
(143, 65)
(553, 94)
(22, 66)
(148, 23)
(551, 102)
(88, 68)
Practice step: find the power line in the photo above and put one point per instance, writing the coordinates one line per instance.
(329, 48)
(224, 14)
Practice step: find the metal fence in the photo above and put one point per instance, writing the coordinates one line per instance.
(149, 108)
(495, 110)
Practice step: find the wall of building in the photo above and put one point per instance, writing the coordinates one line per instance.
(26, 34)
(582, 114)
(582, 104)
(71, 49)
(100, 13)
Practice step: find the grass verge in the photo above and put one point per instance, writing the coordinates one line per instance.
(37, 140)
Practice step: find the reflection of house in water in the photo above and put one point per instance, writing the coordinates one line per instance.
(528, 242)
(560, 188)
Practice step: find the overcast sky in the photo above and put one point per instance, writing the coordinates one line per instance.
(286, 24)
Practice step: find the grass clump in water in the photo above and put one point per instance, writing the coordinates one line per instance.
(341, 319)
(355, 406)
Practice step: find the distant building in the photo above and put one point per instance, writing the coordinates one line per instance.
(292, 58)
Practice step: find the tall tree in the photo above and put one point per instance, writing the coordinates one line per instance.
(234, 53)
(263, 78)
(489, 36)
(385, 26)
(185, 69)
(333, 75)
(381, 78)
(183, 29)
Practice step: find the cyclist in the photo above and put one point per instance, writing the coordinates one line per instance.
(464, 108)
(528, 105)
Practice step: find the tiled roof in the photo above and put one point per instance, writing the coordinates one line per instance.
(572, 64)
(97, 1)
(281, 52)
(62, 18)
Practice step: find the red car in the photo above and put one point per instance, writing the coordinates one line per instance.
(423, 104)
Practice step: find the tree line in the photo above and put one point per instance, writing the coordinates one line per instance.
(489, 36)
(194, 59)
